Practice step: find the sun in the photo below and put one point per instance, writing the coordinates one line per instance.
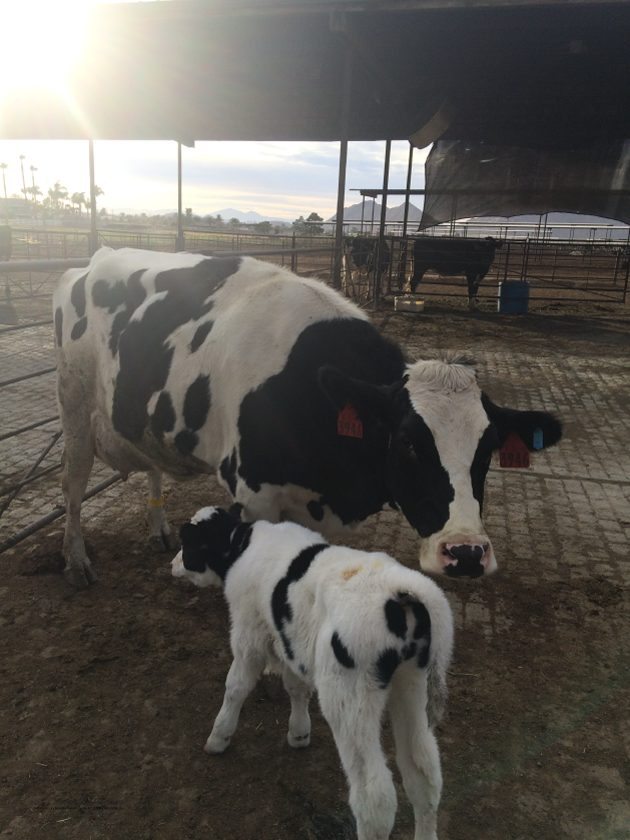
(41, 42)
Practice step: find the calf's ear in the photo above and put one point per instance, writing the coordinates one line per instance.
(364, 396)
(537, 429)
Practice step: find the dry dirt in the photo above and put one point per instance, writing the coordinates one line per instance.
(107, 695)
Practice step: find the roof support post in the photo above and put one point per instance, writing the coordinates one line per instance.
(407, 196)
(179, 242)
(343, 154)
(381, 228)
(93, 241)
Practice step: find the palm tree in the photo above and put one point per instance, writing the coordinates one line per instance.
(22, 159)
(56, 193)
(79, 199)
(4, 167)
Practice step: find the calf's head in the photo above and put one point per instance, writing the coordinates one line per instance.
(211, 541)
(441, 432)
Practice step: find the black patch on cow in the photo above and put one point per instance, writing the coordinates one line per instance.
(341, 652)
(129, 294)
(77, 296)
(108, 296)
(144, 356)
(280, 606)
(186, 441)
(396, 618)
(59, 325)
(79, 328)
(288, 425)
(409, 651)
(197, 403)
(417, 479)
(488, 442)
(422, 630)
(201, 333)
(163, 418)
(227, 470)
(316, 510)
(236, 510)
(386, 664)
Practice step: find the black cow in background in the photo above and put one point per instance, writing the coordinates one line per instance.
(360, 255)
(471, 257)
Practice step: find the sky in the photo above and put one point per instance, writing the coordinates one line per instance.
(283, 180)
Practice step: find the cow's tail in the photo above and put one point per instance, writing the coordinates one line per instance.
(432, 610)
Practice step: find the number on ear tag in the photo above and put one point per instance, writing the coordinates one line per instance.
(349, 423)
(514, 454)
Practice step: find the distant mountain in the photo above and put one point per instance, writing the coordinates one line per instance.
(370, 212)
(248, 217)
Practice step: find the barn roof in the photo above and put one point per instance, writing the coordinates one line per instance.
(501, 71)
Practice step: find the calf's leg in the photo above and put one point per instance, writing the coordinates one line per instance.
(354, 712)
(243, 675)
(299, 734)
(417, 752)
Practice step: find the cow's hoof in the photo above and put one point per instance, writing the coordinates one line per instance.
(166, 541)
(80, 575)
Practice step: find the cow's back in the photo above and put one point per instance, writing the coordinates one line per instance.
(166, 345)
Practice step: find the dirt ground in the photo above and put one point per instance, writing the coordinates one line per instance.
(107, 695)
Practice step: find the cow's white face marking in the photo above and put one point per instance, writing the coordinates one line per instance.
(436, 454)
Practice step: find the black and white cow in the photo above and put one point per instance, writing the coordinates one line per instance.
(187, 364)
(471, 257)
(358, 628)
(361, 251)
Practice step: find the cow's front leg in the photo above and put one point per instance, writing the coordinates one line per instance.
(243, 675)
(161, 537)
(474, 281)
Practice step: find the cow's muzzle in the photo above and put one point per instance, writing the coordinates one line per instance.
(466, 559)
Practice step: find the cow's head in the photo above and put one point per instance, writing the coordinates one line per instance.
(211, 541)
(442, 431)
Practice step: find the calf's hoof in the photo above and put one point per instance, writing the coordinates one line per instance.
(298, 742)
(80, 574)
(216, 744)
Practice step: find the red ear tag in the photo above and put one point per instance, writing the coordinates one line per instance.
(514, 454)
(349, 423)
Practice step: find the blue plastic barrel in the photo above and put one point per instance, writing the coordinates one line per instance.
(513, 297)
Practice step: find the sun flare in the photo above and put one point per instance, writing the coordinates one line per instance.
(41, 42)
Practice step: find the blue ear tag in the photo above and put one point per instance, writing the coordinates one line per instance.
(537, 440)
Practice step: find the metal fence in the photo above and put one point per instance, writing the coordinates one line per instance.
(30, 439)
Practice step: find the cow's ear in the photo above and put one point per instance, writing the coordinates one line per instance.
(366, 397)
(537, 429)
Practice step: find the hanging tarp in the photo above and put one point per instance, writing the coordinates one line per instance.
(476, 179)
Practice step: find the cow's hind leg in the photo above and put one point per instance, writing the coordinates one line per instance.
(78, 458)
(161, 537)
(354, 713)
(417, 752)
(299, 734)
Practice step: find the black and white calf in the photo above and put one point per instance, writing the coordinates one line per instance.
(189, 365)
(358, 628)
